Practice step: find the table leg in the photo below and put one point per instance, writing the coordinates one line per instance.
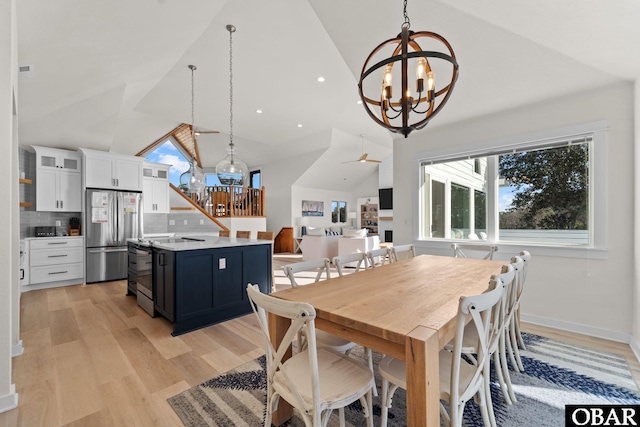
(423, 377)
(277, 328)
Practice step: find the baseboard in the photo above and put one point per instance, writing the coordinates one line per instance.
(17, 349)
(577, 328)
(635, 347)
(10, 401)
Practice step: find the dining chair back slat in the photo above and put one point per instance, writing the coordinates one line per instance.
(360, 258)
(398, 253)
(461, 250)
(378, 256)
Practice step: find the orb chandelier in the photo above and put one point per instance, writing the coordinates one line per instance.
(231, 170)
(402, 110)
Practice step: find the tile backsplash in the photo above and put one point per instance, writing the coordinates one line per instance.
(31, 219)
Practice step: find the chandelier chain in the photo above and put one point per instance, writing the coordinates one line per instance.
(407, 22)
(231, 87)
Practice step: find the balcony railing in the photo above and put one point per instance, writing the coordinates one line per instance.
(231, 201)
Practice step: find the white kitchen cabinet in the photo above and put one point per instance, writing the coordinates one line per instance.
(58, 180)
(155, 192)
(55, 261)
(56, 159)
(112, 170)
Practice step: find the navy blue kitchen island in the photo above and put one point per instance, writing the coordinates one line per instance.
(200, 282)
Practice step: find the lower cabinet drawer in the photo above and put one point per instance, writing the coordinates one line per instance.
(68, 255)
(55, 273)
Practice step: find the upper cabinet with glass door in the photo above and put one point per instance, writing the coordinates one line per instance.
(54, 158)
(58, 180)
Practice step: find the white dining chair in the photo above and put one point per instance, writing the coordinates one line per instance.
(461, 250)
(499, 348)
(341, 261)
(315, 381)
(460, 380)
(514, 328)
(318, 267)
(378, 257)
(360, 258)
(398, 253)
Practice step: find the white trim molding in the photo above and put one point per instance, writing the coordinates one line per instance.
(10, 401)
(635, 346)
(578, 329)
(17, 349)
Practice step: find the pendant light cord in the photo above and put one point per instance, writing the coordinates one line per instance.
(193, 68)
(231, 30)
(193, 102)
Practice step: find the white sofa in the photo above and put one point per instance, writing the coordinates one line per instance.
(316, 247)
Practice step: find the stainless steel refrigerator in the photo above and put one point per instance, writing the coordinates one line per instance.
(111, 217)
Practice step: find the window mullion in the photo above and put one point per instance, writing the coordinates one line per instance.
(492, 199)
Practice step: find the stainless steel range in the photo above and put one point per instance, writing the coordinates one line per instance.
(141, 276)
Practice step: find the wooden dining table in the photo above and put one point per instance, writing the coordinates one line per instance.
(406, 310)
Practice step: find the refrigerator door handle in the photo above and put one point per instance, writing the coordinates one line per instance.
(111, 224)
(120, 213)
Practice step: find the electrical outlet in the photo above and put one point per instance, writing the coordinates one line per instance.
(58, 223)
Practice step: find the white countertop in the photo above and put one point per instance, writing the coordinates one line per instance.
(207, 242)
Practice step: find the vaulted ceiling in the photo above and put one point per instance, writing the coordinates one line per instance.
(113, 75)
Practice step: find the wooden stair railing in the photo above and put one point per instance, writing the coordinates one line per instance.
(198, 207)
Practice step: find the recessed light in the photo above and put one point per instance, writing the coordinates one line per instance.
(259, 111)
(321, 79)
(299, 125)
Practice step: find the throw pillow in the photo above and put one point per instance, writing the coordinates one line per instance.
(316, 231)
(355, 233)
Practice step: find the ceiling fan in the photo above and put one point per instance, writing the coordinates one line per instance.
(194, 130)
(363, 158)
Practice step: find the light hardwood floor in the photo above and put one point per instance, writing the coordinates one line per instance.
(94, 358)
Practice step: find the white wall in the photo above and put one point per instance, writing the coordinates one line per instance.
(277, 178)
(581, 294)
(298, 194)
(9, 225)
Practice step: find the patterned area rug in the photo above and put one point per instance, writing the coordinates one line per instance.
(556, 374)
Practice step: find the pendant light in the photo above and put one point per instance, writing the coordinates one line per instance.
(192, 181)
(231, 170)
(401, 110)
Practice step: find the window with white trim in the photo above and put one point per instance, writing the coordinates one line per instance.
(541, 192)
